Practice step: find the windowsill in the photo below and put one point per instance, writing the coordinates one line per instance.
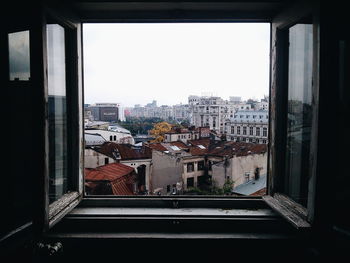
(94, 222)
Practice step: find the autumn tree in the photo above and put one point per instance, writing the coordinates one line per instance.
(159, 130)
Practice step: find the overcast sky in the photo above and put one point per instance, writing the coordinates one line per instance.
(134, 63)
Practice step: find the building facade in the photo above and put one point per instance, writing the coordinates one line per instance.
(248, 126)
(211, 112)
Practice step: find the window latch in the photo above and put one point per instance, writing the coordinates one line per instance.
(46, 249)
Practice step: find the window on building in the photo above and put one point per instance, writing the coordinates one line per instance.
(244, 130)
(264, 132)
(107, 161)
(190, 182)
(200, 165)
(238, 130)
(257, 131)
(190, 167)
(232, 129)
(250, 130)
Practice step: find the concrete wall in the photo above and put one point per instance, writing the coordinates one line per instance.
(94, 159)
(194, 174)
(136, 163)
(166, 170)
(237, 167)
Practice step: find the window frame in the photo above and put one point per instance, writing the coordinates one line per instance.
(50, 214)
(198, 201)
(297, 215)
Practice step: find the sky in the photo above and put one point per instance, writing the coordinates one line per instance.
(135, 63)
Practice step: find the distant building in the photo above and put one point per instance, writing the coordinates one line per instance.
(112, 136)
(110, 112)
(235, 99)
(248, 126)
(210, 111)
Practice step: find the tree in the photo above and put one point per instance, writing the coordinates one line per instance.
(159, 129)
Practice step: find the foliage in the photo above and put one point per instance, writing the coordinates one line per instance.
(228, 186)
(159, 130)
(213, 189)
(139, 125)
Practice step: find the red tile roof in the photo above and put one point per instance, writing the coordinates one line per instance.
(110, 179)
(126, 151)
(157, 147)
(108, 172)
(205, 142)
(180, 145)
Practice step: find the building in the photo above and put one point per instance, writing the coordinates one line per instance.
(113, 135)
(191, 165)
(210, 111)
(110, 112)
(138, 158)
(178, 112)
(110, 179)
(248, 126)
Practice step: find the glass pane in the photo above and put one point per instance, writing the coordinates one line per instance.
(299, 112)
(57, 111)
(19, 59)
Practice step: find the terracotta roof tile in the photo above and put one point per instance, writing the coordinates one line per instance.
(110, 179)
(126, 151)
(108, 172)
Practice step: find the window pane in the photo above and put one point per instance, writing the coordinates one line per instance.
(19, 59)
(299, 112)
(57, 111)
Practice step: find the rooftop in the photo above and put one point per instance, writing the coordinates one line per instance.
(125, 151)
(108, 172)
(251, 187)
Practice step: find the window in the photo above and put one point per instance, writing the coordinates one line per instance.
(299, 122)
(59, 160)
(232, 129)
(200, 165)
(190, 182)
(257, 130)
(238, 130)
(57, 111)
(190, 167)
(19, 58)
(244, 130)
(250, 130)
(264, 132)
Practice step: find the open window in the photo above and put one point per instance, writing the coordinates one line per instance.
(61, 181)
(55, 69)
(294, 114)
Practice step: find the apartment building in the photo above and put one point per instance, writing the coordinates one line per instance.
(248, 126)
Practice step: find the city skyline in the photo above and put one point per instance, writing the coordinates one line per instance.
(137, 63)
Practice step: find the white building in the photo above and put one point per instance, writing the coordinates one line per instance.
(248, 126)
(211, 112)
(113, 136)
